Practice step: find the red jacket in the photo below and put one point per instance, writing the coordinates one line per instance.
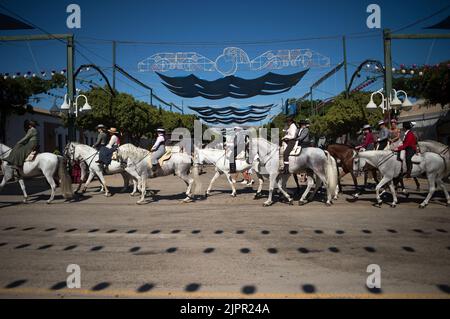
(409, 141)
(368, 140)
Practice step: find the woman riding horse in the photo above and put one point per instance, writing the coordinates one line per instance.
(23, 148)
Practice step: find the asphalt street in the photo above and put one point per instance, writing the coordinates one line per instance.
(220, 247)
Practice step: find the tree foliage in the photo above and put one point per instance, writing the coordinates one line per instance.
(15, 94)
(342, 116)
(433, 85)
(133, 118)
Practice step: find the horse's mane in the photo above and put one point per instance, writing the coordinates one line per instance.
(132, 152)
(439, 144)
(268, 143)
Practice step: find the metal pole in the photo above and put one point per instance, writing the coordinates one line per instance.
(71, 87)
(345, 66)
(151, 97)
(387, 69)
(313, 111)
(114, 63)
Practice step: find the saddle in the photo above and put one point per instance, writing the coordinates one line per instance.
(415, 160)
(31, 157)
(297, 150)
(167, 155)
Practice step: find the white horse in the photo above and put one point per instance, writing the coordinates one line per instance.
(89, 155)
(266, 165)
(317, 162)
(139, 161)
(219, 158)
(438, 148)
(390, 167)
(46, 164)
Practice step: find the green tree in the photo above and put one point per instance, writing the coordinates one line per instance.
(433, 85)
(15, 95)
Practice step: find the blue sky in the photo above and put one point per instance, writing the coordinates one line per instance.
(220, 22)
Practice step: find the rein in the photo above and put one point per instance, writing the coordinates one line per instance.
(384, 160)
(6, 152)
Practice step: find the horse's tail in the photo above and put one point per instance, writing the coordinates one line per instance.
(332, 174)
(66, 181)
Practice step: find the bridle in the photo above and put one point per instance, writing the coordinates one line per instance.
(69, 153)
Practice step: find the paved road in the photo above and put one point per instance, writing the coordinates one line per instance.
(220, 247)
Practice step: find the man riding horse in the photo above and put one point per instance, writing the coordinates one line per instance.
(289, 139)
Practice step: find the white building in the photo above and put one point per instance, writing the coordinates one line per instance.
(53, 135)
(432, 121)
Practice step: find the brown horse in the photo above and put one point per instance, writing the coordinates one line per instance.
(344, 153)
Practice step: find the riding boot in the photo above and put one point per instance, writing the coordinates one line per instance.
(286, 169)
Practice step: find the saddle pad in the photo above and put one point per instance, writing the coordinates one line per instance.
(296, 151)
(31, 157)
(167, 155)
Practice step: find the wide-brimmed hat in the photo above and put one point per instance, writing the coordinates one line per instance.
(113, 130)
(303, 122)
(100, 126)
(30, 122)
(382, 122)
(366, 127)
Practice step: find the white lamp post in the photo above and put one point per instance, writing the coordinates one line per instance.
(66, 107)
(386, 104)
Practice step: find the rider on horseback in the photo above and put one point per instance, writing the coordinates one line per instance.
(409, 144)
(383, 136)
(303, 137)
(106, 152)
(102, 138)
(23, 148)
(369, 140)
(290, 140)
(158, 149)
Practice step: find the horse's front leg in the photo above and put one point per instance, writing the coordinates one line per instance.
(215, 177)
(284, 192)
(103, 181)
(230, 181)
(383, 182)
(135, 177)
(261, 182)
(394, 195)
(89, 180)
(272, 183)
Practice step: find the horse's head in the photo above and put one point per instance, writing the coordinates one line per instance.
(358, 164)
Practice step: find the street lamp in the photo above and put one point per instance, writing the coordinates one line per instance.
(386, 104)
(66, 107)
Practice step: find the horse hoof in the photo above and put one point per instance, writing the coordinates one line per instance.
(257, 196)
(301, 203)
(187, 200)
(49, 202)
(140, 202)
(393, 205)
(267, 204)
(233, 195)
(291, 202)
(328, 204)
(108, 195)
(422, 206)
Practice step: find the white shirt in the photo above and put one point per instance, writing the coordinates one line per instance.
(291, 133)
(113, 141)
(158, 142)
